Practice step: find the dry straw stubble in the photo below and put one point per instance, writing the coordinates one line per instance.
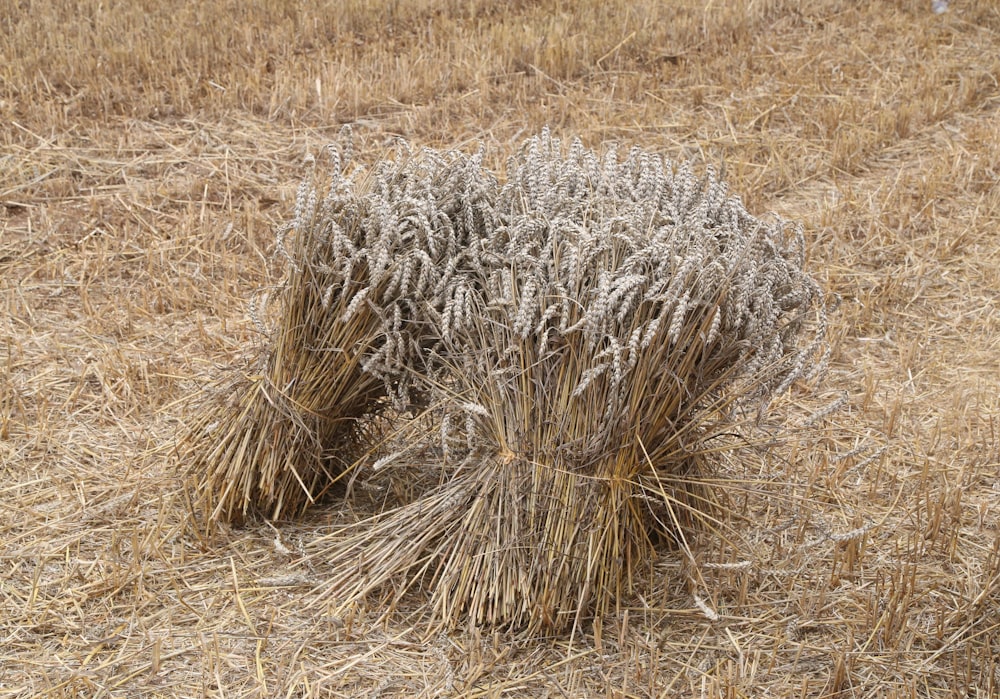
(873, 123)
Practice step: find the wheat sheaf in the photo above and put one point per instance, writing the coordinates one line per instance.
(548, 361)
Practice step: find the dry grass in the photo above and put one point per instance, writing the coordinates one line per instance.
(147, 154)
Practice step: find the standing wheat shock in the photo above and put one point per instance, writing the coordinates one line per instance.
(369, 264)
(611, 316)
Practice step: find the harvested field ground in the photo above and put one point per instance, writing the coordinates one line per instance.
(148, 150)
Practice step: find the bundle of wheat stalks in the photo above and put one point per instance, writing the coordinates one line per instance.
(368, 263)
(555, 353)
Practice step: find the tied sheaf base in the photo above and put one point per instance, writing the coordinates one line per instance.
(548, 363)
